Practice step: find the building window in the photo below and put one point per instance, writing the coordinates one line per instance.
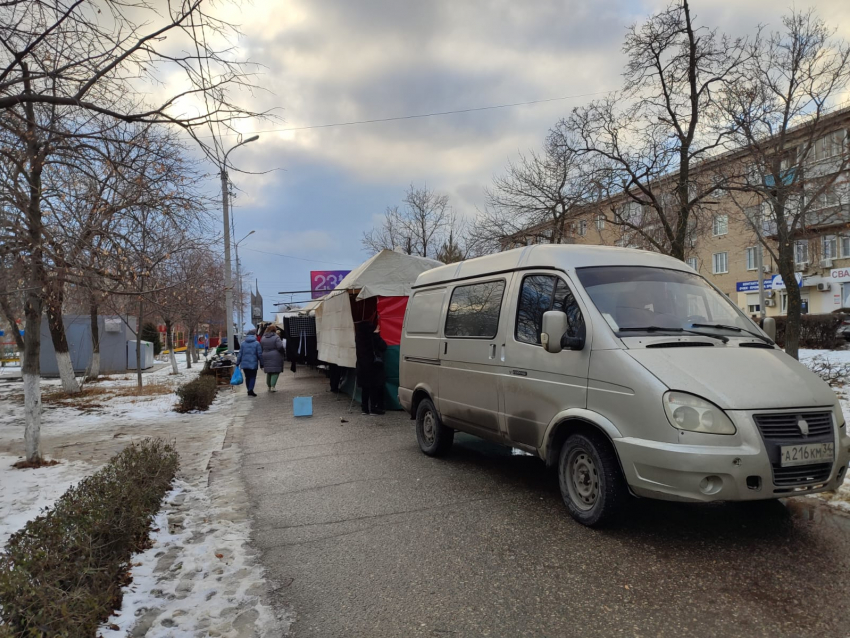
(474, 310)
(827, 146)
(753, 308)
(801, 252)
(844, 242)
(752, 258)
(828, 199)
(720, 225)
(600, 221)
(783, 304)
(693, 263)
(582, 228)
(720, 263)
(829, 247)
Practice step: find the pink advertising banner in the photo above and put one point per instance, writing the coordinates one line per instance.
(321, 281)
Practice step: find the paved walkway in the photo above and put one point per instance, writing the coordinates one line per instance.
(362, 535)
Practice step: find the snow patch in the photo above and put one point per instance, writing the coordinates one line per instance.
(200, 577)
(25, 493)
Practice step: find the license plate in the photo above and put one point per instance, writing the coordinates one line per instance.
(808, 454)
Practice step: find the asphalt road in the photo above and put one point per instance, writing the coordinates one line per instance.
(363, 535)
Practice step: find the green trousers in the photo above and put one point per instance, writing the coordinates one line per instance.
(271, 379)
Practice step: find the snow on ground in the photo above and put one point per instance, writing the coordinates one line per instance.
(201, 576)
(841, 498)
(24, 493)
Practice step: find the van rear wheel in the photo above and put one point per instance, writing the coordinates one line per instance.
(592, 484)
(434, 438)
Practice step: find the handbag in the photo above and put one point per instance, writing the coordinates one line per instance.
(236, 379)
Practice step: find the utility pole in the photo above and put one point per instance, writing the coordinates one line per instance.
(760, 266)
(241, 312)
(228, 275)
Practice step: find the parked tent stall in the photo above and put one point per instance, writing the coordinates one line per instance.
(376, 291)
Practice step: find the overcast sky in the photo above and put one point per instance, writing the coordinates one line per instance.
(329, 61)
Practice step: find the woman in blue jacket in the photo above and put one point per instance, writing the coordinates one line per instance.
(250, 358)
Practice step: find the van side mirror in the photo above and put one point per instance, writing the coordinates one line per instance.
(769, 327)
(554, 327)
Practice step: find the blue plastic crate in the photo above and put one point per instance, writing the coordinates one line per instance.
(302, 406)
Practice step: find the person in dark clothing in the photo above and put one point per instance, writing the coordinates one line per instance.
(250, 358)
(272, 357)
(370, 349)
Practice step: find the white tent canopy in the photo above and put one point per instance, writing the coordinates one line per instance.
(387, 274)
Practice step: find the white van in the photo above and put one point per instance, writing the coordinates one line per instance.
(625, 368)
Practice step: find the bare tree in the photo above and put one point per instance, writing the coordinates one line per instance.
(70, 68)
(650, 136)
(390, 234)
(420, 228)
(791, 154)
(539, 193)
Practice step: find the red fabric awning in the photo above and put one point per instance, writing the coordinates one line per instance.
(391, 317)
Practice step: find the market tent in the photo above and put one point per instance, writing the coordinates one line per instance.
(377, 289)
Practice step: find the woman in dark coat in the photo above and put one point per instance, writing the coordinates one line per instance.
(272, 356)
(370, 348)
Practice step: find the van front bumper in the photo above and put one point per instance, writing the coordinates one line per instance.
(703, 473)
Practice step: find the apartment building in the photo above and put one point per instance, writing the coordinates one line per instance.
(722, 243)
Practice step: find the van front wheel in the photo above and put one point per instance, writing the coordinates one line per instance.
(592, 485)
(435, 439)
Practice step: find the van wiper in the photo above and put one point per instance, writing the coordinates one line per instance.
(721, 326)
(660, 329)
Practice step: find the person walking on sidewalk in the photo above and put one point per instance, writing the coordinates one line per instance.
(250, 358)
(272, 356)
(370, 349)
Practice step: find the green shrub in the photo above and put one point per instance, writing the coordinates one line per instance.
(150, 333)
(61, 575)
(816, 331)
(198, 394)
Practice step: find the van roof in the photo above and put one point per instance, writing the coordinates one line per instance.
(549, 256)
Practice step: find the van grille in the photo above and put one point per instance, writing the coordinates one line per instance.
(801, 474)
(784, 426)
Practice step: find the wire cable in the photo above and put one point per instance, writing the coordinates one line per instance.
(424, 115)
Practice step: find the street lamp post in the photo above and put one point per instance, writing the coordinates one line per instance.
(228, 275)
(241, 312)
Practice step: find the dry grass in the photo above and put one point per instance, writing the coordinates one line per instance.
(94, 397)
(29, 465)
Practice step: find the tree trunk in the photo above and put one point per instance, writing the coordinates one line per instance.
(169, 340)
(793, 319)
(60, 339)
(94, 367)
(31, 366)
(139, 342)
(189, 349)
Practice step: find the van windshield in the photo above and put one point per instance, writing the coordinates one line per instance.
(634, 299)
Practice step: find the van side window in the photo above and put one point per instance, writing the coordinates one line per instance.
(540, 294)
(474, 310)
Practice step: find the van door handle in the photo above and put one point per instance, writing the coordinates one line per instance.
(492, 350)
(519, 373)
(445, 347)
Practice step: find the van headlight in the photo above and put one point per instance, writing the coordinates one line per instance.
(689, 412)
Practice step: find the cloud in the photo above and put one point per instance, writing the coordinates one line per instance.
(337, 61)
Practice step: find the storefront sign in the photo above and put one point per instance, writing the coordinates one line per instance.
(777, 284)
(321, 281)
(753, 286)
(839, 274)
